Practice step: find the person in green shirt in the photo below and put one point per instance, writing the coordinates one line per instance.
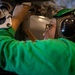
(41, 57)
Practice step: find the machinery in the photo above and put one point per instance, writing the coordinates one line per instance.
(6, 8)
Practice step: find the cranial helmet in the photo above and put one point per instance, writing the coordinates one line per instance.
(65, 20)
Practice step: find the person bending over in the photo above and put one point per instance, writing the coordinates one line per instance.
(41, 57)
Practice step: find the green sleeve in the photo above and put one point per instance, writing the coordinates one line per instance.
(42, 57)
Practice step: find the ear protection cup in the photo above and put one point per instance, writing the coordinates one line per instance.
(65, 27)
(68, 27)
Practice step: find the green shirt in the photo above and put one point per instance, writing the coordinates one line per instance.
(42, 57)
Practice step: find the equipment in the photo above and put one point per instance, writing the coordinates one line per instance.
(66, 24)
(5, 16)
(6, 8)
